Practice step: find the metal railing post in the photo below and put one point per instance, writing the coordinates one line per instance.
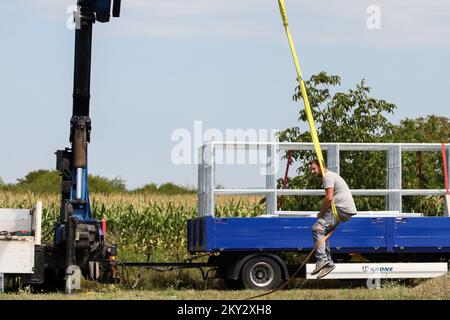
(271, 179)
(333, 158)
(446, 196)
(209, 182)
(394, 178)
(447, 151)
(201, 183)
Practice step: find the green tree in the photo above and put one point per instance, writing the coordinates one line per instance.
(49, 181)
(171, 189)
(352, 116)
(166, 188)
(423, 170)
(432, 129)
(39, 181)
(355, 116)
(105, 185)
(148, 188)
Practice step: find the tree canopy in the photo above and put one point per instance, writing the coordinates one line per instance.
(356, 116)
(49, 181)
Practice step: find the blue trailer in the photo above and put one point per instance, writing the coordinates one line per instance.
(383, 235)
(250, 252)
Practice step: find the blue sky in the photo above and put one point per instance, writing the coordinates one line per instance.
(167, 63)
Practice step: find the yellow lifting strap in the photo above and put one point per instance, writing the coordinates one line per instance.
(308, 111)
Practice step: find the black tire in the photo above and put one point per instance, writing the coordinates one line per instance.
(261, 273)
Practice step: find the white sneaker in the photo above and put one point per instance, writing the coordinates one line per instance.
(326, 271)
(319, 266)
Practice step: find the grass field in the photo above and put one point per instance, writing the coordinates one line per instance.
(436, 289)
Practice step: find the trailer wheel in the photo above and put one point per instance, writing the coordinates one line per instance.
(261, 273)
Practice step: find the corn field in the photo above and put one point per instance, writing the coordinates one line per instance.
(149, 227)
(145, 227)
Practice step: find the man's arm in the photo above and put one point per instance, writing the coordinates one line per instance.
(326, 201)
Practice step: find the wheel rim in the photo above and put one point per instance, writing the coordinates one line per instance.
(262, 274)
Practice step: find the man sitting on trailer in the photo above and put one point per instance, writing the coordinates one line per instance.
(337, 190)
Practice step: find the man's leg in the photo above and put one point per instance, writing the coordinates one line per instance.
(328, 253)
(320, 229)
(333, 225)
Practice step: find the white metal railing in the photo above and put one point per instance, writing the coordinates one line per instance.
(393, 192)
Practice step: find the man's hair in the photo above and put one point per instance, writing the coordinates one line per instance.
(317, 163)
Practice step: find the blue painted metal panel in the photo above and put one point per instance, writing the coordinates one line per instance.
(196, 234)
(427, 232)
(259, 234)
(390, 235)
(190, 236)
(367, 233)
(293, 234)
(284, 234)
